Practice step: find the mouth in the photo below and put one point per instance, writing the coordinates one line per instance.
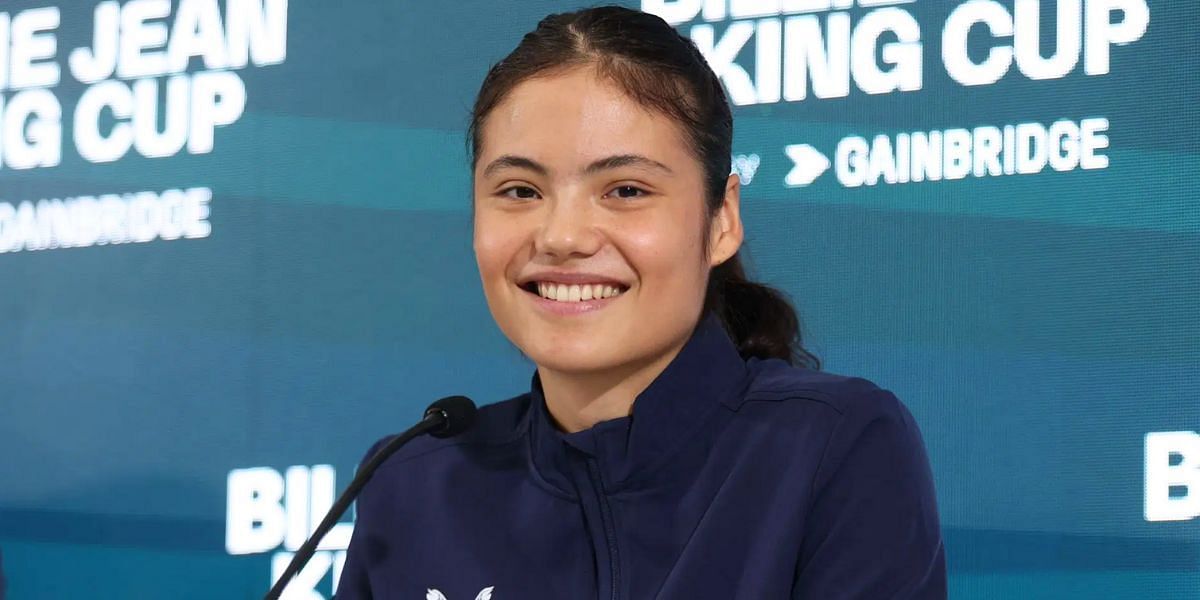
(573, 292)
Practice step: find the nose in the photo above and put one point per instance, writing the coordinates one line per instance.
(568, 228)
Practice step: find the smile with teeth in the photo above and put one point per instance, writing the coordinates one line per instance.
(562, 292)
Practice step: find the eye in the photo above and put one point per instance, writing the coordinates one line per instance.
(524, 192)
(629, 191)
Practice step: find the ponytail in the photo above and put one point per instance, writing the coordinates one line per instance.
(759, 318)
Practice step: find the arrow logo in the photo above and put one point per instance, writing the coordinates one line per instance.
(807, 164)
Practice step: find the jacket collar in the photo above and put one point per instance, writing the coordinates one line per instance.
(707, 372)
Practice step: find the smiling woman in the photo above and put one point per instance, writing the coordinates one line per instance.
(677, 441)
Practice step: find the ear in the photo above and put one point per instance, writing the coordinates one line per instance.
(726, 234)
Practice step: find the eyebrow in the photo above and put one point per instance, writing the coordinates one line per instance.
(509, 161)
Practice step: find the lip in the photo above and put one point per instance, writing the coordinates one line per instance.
(569, 308)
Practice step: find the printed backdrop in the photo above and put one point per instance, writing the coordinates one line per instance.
(235, 250)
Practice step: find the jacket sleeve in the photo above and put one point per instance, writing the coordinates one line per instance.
(872, 530)
(354, 583)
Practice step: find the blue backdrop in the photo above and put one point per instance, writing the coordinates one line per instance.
(235, 246)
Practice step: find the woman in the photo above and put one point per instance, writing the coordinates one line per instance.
(667, 448)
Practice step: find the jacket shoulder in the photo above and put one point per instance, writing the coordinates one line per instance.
(851, 397)
(864, 425)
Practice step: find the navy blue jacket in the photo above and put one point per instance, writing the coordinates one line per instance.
(731, 478)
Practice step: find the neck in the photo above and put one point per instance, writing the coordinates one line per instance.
(578, 400)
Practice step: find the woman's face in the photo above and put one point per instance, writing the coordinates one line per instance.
(589, 217)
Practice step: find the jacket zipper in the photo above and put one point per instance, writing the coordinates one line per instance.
(609, 529)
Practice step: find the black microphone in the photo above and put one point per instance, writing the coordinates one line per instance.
(447, 417)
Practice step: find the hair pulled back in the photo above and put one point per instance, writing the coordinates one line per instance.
(664, 71)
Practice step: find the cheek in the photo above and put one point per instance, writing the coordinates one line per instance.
(665, 254)
(497, 243)
(489, 251)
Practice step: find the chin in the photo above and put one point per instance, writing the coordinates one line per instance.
(574, 356)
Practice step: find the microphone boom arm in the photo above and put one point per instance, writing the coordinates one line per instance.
(441, 419)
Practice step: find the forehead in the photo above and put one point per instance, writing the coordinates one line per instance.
(568, 119)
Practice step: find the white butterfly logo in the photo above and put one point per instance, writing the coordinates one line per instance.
(484, 594)
(745, 165)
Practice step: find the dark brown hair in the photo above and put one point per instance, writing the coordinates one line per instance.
(662, 70)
